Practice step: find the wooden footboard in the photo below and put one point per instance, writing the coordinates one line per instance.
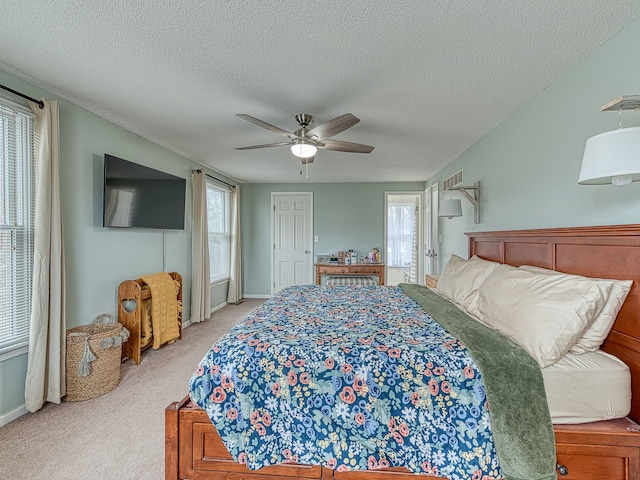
(171, 435)
(193, 450)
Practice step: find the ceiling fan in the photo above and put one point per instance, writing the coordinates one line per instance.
(304, 143)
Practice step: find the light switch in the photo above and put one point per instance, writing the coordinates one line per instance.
(315, 238)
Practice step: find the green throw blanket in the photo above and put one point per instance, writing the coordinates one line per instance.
(520, 420)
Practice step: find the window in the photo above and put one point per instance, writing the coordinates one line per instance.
(17, 201)
(219, 232)
(401, 225)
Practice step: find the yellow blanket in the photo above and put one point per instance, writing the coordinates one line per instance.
(146, 329)
(164, 307)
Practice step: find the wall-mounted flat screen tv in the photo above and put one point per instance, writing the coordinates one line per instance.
(136, 196)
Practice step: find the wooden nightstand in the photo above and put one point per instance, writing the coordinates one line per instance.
(431, 280)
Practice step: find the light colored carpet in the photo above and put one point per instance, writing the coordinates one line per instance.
(119, 435)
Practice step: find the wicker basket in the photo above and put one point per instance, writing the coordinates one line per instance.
(93, 358)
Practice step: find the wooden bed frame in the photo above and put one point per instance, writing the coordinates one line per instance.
(595, 451)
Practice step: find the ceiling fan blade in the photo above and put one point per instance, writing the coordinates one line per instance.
(266, 125)
(279, 144)
(334, 126)
(340, 146)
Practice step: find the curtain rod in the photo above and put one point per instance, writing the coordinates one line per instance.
(215, 178)
(39, 102)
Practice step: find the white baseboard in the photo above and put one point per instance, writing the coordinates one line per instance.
(12, 415)
(214, 309)
(249, 295)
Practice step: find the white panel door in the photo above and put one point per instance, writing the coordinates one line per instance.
(292, 240)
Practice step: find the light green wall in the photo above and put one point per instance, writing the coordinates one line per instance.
(98, 259)
(529, 164)
(219, 293)
(13, 372)
(345, 216)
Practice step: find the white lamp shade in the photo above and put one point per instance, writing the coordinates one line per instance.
(303, 150)
(612, 157)
(450, 208)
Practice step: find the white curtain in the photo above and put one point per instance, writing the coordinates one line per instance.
(45, 381)
(200, 277)
(235, 269)
(413, 271)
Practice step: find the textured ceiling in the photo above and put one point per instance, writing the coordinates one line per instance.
(427, 78)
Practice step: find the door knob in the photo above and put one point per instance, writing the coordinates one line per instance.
(307, 251)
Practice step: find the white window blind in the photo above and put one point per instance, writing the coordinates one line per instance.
(17, 201)
(218, 220)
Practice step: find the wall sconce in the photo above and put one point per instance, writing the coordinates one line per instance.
(453, 207)
(613, 157)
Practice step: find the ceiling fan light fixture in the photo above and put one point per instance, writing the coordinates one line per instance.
(303, 149)
(305, 143)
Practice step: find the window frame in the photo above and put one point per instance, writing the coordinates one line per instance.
(225, 233)
(23, 228)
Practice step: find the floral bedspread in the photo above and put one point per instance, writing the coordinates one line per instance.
(348, 377)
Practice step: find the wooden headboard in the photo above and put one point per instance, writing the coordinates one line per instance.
(602, 252)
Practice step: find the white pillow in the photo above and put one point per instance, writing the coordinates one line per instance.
(544, 314)
(460, 280)
(597, 332)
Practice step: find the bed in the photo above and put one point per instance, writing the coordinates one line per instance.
(599, 450)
